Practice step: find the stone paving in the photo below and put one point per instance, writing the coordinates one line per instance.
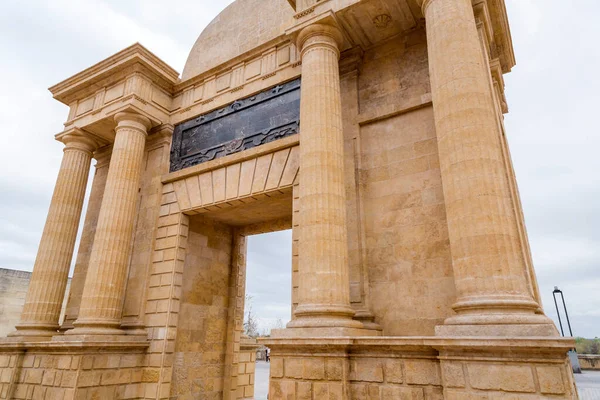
(588, 384)
(261, 380)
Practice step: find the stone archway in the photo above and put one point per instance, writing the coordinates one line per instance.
(214, 208)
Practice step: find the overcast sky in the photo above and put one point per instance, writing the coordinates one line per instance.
(553, 95)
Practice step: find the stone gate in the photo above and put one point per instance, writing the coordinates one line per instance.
(372, 129)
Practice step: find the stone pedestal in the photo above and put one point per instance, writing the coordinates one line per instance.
(103, 293)
(51, 269)
(324, 299)
(494, 295)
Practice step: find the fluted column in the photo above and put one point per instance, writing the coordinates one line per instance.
(87, 237)
(51, 269)
(324, 298)
(103, 292)
(494, 297)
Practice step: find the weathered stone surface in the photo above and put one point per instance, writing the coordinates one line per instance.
(501, 377)
(411, 272)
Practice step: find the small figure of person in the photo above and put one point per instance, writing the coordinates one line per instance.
(268, 354)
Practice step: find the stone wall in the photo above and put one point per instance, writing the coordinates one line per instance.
(589, 361)
(13, 289)
(202, 330)
(407, 253)
(418, 368)
(246, 372)
(74, 374)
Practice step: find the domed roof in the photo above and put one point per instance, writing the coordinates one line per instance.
(244, 25)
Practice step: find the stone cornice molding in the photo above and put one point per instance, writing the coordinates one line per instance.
(156, 69)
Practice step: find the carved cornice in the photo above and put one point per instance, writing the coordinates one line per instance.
(156, 69)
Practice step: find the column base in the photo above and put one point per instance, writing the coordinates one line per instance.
(134, 329)
(31, 331)
(505, 315)
(499, 324)
(96, 328)
(91, 338)
(331, 332)
(324, 316)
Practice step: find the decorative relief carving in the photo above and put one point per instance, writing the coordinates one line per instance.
(246, 123)
(382, 21)
(304, 13)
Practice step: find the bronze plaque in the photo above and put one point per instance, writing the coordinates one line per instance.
(267, 116)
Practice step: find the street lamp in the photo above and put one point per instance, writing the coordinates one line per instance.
(557, 290)
(572, 353)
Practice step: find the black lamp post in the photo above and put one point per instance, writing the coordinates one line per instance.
(557, 290)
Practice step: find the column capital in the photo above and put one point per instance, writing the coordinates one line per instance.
(320, 34)
(79, 140)
(133, 120)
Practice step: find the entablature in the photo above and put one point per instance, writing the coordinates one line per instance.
(134, 80)
(275, 62)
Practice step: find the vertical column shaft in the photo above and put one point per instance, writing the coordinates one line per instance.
(489, 269)
(87, 238)
(103, 292)
(324, 298)
(48, 282)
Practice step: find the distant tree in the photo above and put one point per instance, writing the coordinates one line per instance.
(250, 321)
(278, 324)
(594, 347)
(581, 345)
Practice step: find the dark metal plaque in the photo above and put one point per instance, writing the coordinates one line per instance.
(246, 123)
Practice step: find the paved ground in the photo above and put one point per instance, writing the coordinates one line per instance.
(261, 380)
(588, 383)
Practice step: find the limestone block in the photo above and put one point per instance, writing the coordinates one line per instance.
(550, 379)
(510, 378)
(276, 368)
(393, 371)
(422, 372)
(334, 370)
(366, 370)
(453, 375)
(294, 368)
(401, 393)
(314, 368)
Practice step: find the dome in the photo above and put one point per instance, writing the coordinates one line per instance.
(241, 27)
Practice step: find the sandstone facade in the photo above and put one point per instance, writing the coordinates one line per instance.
(411, 271)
